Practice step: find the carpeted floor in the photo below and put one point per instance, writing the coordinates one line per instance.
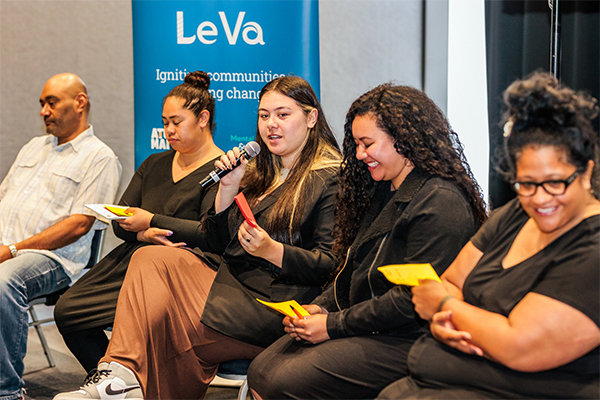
(43, 382)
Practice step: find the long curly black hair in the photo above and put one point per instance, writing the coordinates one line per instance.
(543, 112)
(421, 133)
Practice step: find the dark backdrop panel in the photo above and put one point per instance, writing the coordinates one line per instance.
(518, 43)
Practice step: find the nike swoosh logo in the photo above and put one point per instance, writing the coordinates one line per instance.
(109, 391)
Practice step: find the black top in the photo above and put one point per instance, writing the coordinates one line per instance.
(566, 270)
(427, 220)
(91, 301)
(177, 205)
(231, 307)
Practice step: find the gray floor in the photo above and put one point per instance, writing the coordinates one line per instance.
(43, 382)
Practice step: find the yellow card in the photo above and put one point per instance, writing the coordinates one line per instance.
(118, 210)
(409, 274)
(109, 211)
(291, 308)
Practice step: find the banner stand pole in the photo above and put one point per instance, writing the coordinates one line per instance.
(555, 48)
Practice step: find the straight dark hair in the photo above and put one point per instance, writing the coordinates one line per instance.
(320, 151)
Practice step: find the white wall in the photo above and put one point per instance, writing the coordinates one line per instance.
(90, 38)
(363, 44)
(467, 87)
(40, 38)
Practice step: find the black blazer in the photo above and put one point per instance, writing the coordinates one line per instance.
(427, 220)
(231, 307)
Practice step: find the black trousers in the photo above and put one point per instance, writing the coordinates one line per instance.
(357, 367)
(408, 389)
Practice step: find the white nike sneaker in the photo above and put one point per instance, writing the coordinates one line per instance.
(108, 382)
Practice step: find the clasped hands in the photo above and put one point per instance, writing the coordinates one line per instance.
(312, 328)
(140, 222)
(426, 298)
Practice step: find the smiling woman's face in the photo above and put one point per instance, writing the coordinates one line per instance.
(552, 213)
(376, 148)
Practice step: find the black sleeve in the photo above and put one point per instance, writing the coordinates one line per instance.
(573, 277)
(217, 235)
(326, 299)
(184, 230)
(495, 223)
(439, 224)
(132, 197)
(317, 262)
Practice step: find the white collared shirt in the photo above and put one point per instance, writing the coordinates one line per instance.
(48, 183)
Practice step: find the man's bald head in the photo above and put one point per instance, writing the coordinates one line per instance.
(70, 83)
(65, 106)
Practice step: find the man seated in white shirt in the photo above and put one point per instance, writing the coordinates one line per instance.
(45, 230)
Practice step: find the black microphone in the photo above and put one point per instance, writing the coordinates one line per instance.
(251, 149)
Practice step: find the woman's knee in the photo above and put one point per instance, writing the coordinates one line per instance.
(61, 313)
(158, 257)
(404, 388)
(66, 311)
(268, 387)
(270, 381)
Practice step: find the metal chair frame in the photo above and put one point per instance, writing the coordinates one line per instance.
(52, 298)
(233, 374)
(230, 374)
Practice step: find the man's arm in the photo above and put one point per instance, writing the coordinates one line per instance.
(61, 234)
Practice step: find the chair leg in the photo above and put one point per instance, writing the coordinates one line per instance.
(36, 323)
(243, 391)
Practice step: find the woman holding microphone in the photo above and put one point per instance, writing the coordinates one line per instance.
(178, 316)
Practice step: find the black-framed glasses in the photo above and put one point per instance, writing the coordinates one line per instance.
(553, 187)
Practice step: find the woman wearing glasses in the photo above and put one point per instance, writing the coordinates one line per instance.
(518, 312)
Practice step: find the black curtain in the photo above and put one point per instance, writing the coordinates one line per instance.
(518, 43)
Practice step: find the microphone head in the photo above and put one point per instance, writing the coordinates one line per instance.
(252, 149)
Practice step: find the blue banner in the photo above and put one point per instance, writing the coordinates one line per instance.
(241, 44)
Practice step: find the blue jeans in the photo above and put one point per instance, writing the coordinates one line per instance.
(22, 278)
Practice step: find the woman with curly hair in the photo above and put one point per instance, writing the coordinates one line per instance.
(407, 195)
(517, 313)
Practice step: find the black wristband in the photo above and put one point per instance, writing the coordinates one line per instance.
(444, 300)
